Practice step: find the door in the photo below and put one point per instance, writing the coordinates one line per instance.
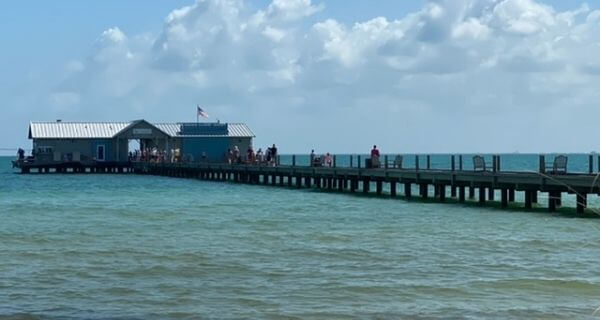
(100, 153)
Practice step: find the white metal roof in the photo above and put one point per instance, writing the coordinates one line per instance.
(237, 130)
(107, 130)
(75, 130)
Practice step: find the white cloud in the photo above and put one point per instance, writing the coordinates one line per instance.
(113, 35)
(453, 61)
(290, 10)
(524, 16)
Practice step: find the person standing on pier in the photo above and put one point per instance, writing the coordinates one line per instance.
(259, 156)
(375, 157)
(274, 154)
(312, 157)
(236, 154)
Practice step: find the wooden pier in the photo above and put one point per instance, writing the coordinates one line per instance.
(455, 183)
(74, 167)
(461, 185)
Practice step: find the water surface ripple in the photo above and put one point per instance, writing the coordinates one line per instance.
(137, 247)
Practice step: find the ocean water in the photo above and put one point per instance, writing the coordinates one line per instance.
(142, 247)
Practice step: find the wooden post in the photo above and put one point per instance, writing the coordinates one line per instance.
(534, 196)
(591, 163)
(511, 195)
(494, 163)
(358, 159)
(453, 163)
(528, 199)
(417, 162)
(407, 190)
(491, 193)
(460, 162)
(497, 163)
(351, 160)
(428, 162)
(379, 187)
(542, 164)
(504, 197)
(581, 202)
(461, 194)
(551, 202)
(393, 188)
(424, 189)
(471, 192)
(442, 192)
(334, 161)
(453, 191)
(294, 161)
(385, 159)
(481, 195)
(366, 185)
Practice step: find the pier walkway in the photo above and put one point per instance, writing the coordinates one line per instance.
(462, 185)
(483, 186)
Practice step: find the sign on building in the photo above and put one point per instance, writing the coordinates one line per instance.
(142, 131)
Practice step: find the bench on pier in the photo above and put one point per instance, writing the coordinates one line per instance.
(396, 163)
(558, 166)
(479, 164)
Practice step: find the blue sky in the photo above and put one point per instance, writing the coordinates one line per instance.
(338, 76)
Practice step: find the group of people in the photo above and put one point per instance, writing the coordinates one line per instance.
(269, 157)
(326, 160)
(158, 156)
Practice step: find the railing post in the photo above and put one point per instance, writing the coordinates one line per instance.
(453, 162)
(428, 162)
(385, 158)
(358, 161)
(334, 161)
(542, 164)
(498, 163)
(591, 163)
(417, 162)
(351, 160)
(494, 163)
(293, 160)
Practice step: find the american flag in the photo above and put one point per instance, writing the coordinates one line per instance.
(202, 113)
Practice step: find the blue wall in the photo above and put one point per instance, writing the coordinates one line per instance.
(215, 148)
(108, 149)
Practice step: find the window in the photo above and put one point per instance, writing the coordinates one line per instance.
(100, 153)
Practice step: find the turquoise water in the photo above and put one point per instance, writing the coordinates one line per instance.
(141, 247)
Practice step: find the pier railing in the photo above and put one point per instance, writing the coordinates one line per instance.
(577, 164)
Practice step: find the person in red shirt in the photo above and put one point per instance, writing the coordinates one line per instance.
(375, 157)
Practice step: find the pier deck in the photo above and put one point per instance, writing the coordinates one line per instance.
(430, 183)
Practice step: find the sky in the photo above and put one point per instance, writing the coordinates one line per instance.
(428, 76)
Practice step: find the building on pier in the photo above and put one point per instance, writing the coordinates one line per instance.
(93, 142)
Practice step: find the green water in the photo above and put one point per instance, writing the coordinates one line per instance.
(138, 247)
